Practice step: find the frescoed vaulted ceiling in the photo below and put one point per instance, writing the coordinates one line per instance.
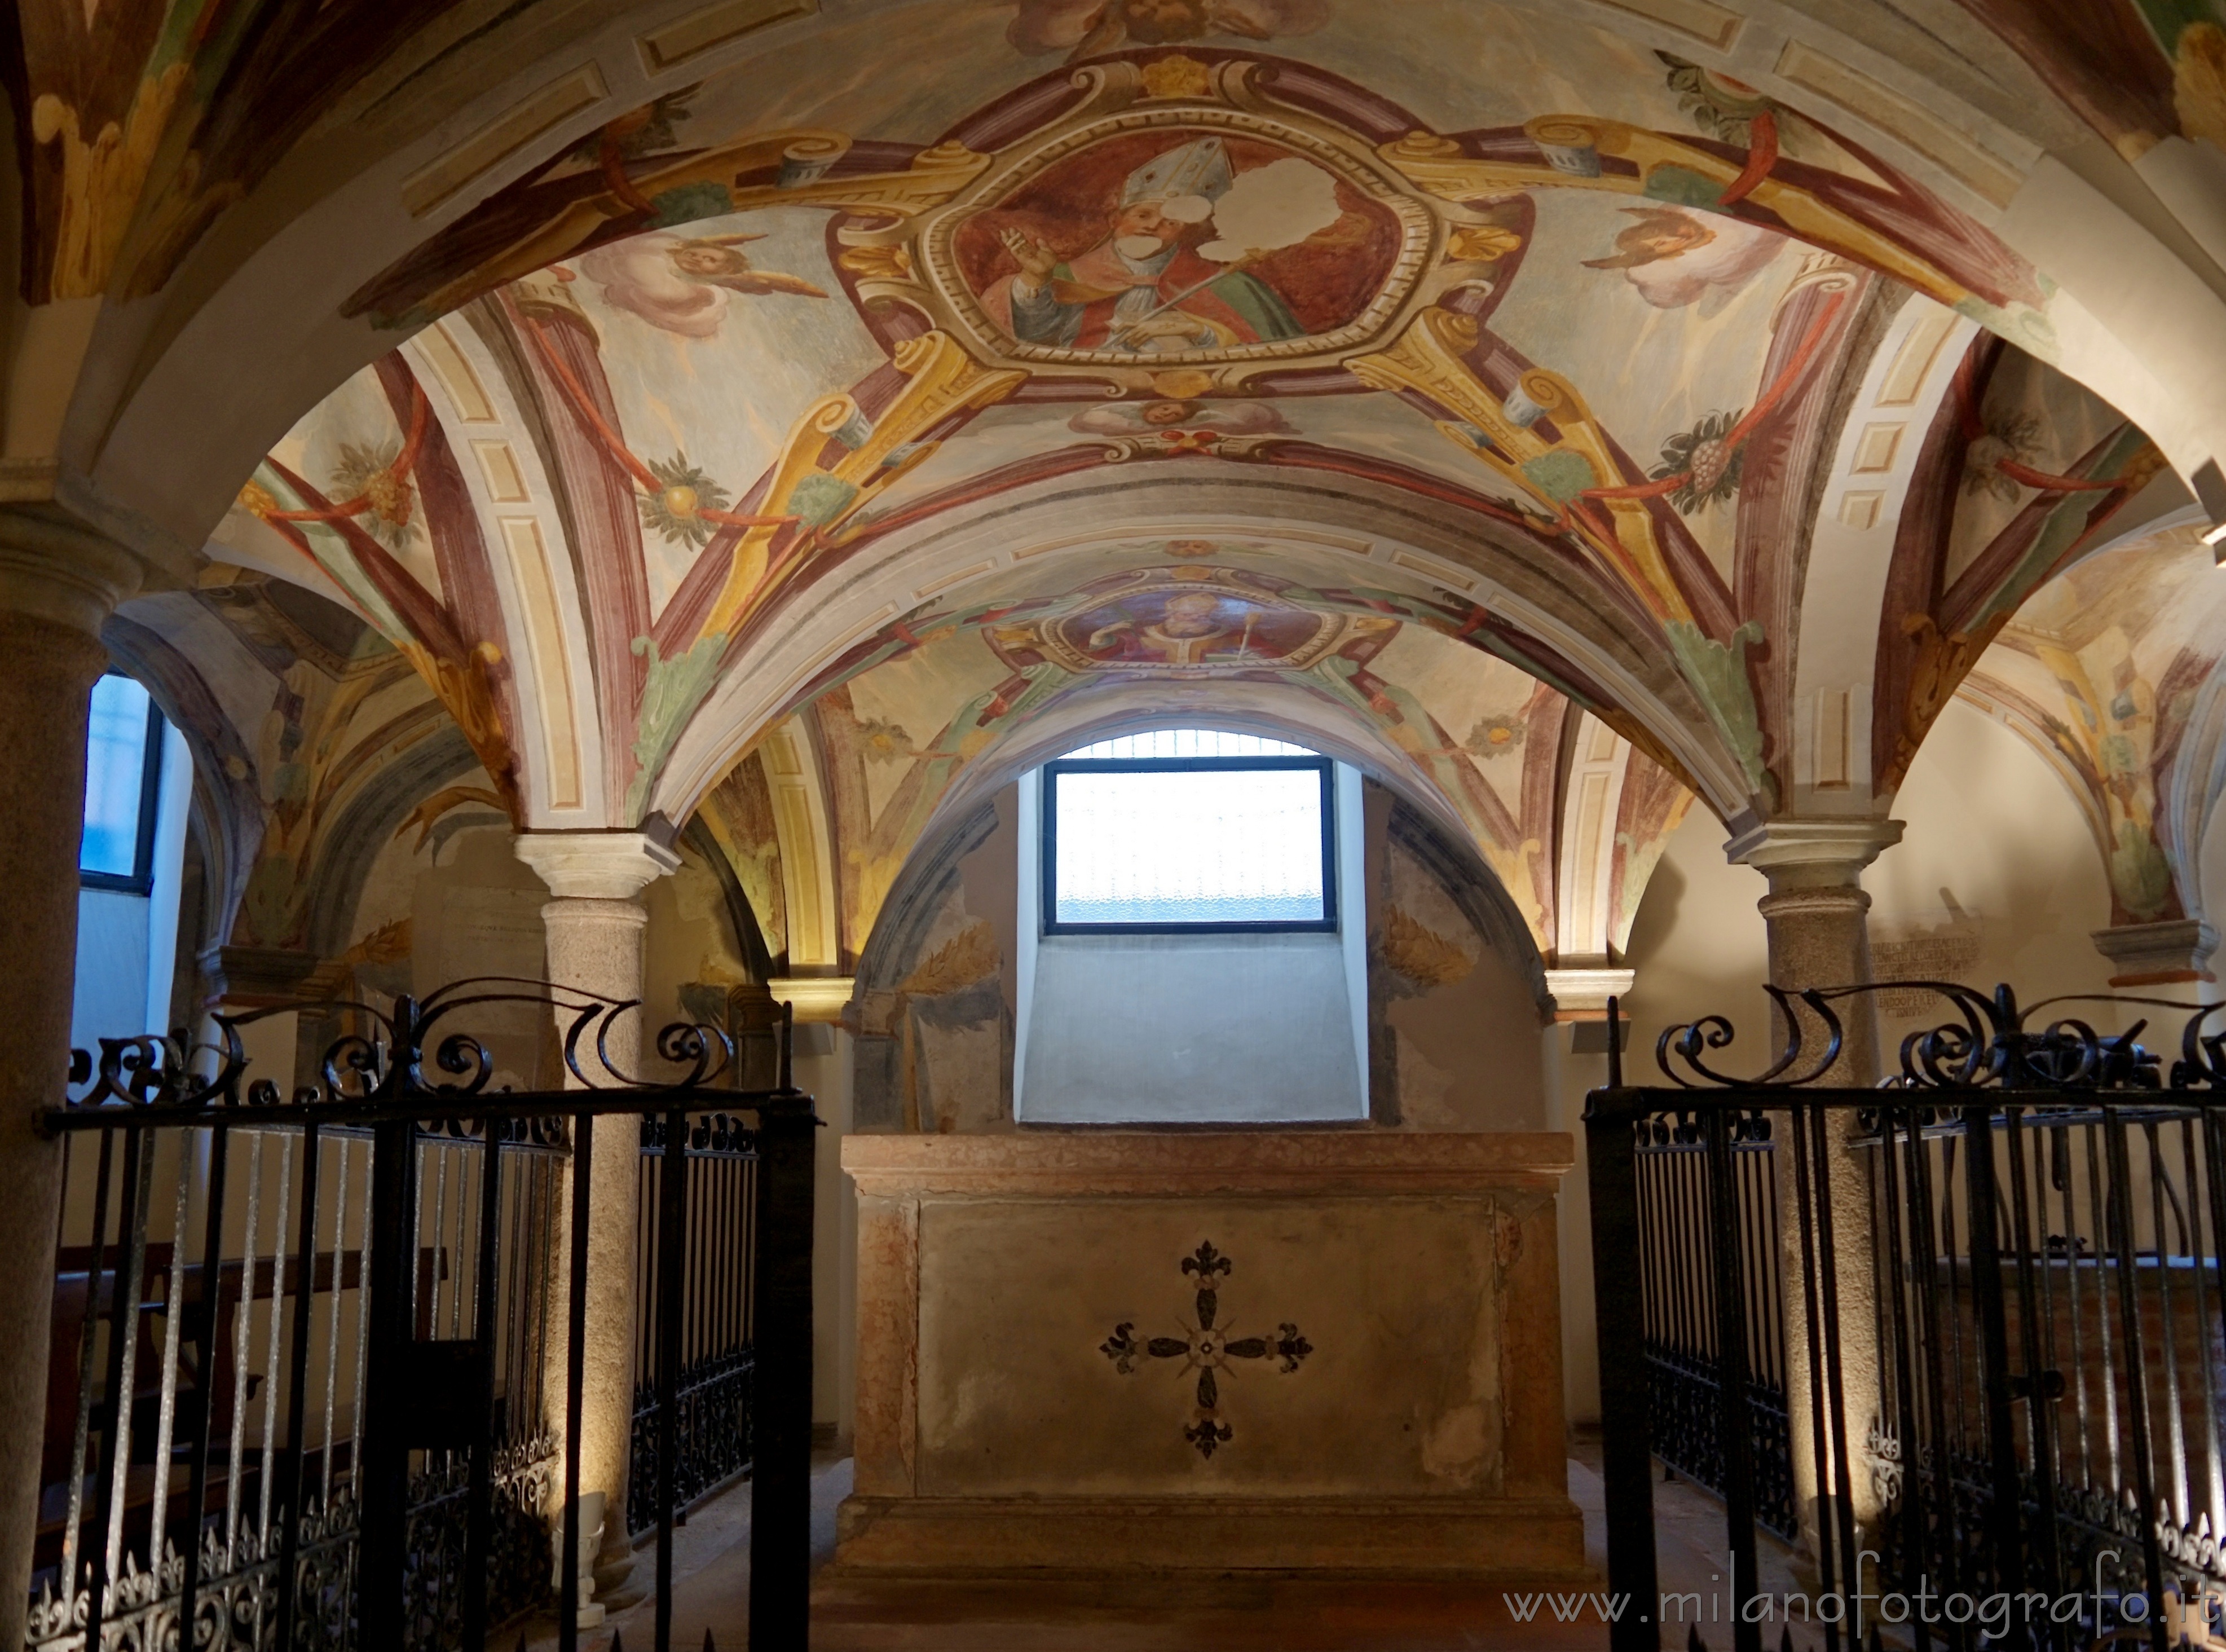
(904, 387)
(717, 383)
(2110, 672)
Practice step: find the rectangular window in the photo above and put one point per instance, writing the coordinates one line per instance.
(123, 774)
(1194, 844)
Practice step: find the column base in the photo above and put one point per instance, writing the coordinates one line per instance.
(1516, 1540)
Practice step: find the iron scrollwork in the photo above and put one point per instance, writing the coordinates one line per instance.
(2028, 1211)
(401, 1059)
(1991, 1042)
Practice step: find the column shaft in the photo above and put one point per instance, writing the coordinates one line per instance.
(595, 946)
(1817, 919)
(593, 932)
(43, 696)
(1819, 937)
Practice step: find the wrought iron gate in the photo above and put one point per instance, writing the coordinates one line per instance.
(306, 1348)
(711, 1317)
(2027, 1416)
(1678, 1294)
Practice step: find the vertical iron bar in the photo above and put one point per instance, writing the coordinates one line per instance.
(2137, 1397)
(1825, 1451)
(1958, 1363)
(428, 1314)
(456, 1307)
(158, 1525)
(575, 1318)
(2175, 1420)
(332, 1320)
(2038, 1419)
(1894, 1305)
(780, 1495)
(2100, 1211)
(383, 1474)
(1828, 1285)
(211, 1283)
(2060, 1166)
(1926, 1255)
(2214, 1175)
(672, 1255)
(479, 1513)
(1610, 1152)
(269, 1472)
(297, 1383)
(1738, 1450)
(2004, 1492)
(122, 1338)
(2047, 1342)
(88, 1346)
(365, 1222)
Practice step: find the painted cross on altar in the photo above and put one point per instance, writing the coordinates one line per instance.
(1207, 1350)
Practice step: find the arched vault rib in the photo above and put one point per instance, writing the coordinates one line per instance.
(532, 560)
(874, 846)
(1345, 539)
(1856, 500)
(913, 731)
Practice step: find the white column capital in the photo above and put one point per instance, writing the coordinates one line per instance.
(1814, 853)
(2155, 955)
(595, 866)
(819, 998)
(1581, 993)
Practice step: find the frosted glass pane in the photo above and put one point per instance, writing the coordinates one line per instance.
(1191, 743)
(1189, 846)
(115, 767)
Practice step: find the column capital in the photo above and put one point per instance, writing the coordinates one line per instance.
(1581, 991)
(595, 866)
(1816, 852)
(2154, 955)
(53, 567)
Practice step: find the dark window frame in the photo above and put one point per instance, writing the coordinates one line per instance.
(1047, 844)
(140, 880)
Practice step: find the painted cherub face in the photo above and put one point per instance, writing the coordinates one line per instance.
(1666, 240)
(1162, 414)
(709, 262)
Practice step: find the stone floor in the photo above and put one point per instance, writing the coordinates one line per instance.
(711, 1595)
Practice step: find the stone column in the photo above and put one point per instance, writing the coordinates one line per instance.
(593, 922)
(58, 585)
(1818, 921)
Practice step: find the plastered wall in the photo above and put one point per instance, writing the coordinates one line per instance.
(1448, 990)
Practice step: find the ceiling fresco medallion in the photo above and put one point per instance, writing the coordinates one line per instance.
(1184, 622)
(1177, 227)
(1205, 1347)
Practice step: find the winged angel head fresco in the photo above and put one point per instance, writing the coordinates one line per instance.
(684, 283)
(1675, 259)
(1084, 28)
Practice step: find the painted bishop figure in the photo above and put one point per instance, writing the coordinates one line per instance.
(1144, 288)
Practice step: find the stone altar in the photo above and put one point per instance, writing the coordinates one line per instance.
(1098, 1353)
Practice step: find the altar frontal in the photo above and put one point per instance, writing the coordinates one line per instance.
(1089, 1354)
